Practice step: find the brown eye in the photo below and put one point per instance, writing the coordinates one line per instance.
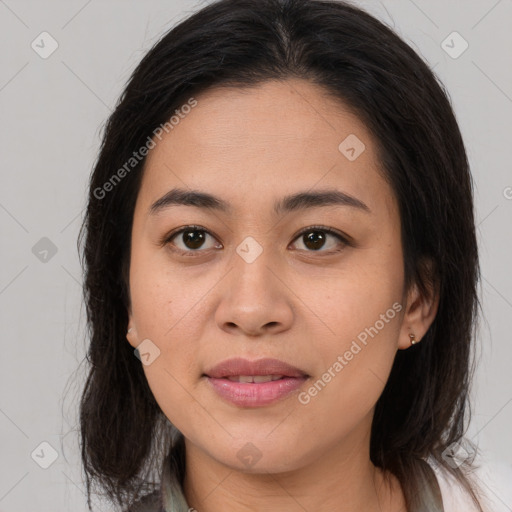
(193, 239)
(316, 238)
(190, 240)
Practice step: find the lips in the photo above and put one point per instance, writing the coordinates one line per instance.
(258, 379)
(260, 383)
(248, 370)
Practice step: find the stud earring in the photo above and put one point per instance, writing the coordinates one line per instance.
(413, 339)
(130, 330)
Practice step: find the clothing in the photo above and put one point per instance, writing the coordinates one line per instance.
(495, 479)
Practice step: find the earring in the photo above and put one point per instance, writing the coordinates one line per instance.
(130, 330)
(413, 339)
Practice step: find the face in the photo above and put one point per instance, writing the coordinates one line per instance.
(315, 283)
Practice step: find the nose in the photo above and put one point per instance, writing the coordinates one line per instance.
(255, 299)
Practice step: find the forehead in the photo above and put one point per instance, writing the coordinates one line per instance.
(289, 113)
(253, 142)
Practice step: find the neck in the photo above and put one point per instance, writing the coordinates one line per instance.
(342, 479)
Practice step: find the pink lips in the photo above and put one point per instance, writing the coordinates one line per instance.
(286, 379)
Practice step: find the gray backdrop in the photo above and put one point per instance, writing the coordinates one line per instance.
(53, 106)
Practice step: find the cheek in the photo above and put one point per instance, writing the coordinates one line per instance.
(361, 311)
(166, 312)
(354, 370)
(162, 297)
(173, 375)
(354, 297)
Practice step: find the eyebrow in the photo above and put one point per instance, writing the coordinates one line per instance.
(295, 202)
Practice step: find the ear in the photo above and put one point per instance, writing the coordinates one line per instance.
(420, 308)
(131, 334)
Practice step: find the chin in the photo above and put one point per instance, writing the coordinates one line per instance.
(258, 455)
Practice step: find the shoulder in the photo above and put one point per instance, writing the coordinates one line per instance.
(493, 477)
(149, 503)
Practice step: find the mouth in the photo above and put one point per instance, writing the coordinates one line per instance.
(254, 378)
(258, 383)
(271, 369)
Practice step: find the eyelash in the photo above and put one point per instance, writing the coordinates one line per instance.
(166, 240)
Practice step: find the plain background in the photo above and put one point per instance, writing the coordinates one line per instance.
(52, 112)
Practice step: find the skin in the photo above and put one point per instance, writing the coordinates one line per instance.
(251, 147)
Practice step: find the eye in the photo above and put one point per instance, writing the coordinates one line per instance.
(314, 238)
(191, 239)
(188, 240)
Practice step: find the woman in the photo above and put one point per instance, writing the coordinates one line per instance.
(281, 316)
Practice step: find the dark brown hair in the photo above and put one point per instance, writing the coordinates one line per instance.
(357, 59)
